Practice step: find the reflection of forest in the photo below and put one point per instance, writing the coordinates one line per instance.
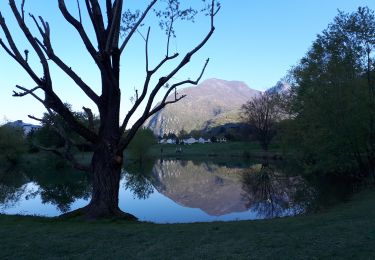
(271, 194)
(220, 190)
(60, 187)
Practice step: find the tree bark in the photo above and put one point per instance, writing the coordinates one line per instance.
(106, 173)
(106, 168)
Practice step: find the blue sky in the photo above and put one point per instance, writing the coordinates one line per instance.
(256, 41)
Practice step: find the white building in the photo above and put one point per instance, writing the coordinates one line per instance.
(221, 140)
(190, 140)
(171, 141)
(201, 140)
(27, 128)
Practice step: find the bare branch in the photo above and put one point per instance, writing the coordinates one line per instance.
(128, 37)
(47, 47)
(78, 26)
(114, 26)
(35, 118)
(14, 52)
(96, 16)
(169, 35)
(163, 81)
(149, 74)
(166, 58)
(67, 155)
(52, 101)
(146, 48)
(10, 53)
(164, 101)
(23, 9)
(46, 83)
(109, 11)
(90, 117)
(138, 101)
(184, 61)
(24, 93)
(30, 92)
(162, 104)
(79, 12)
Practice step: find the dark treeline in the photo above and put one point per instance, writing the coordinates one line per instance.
(327, 118)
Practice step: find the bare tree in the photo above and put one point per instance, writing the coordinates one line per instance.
(262, 113)
(110, 139)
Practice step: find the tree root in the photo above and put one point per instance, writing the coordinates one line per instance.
(90, 212)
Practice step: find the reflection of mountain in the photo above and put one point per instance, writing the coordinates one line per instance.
(220, 190)
(217, 190)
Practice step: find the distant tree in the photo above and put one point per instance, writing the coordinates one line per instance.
(55, 132)
(113, 27)
(183, 134)
(12, 144)
(195, 133)
(263, 113)
(171, 136)
(141, 143)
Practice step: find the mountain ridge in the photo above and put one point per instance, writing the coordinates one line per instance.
(212, 100)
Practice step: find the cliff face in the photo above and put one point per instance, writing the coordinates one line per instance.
(213, 101)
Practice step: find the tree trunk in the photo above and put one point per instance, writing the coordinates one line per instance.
(106, 180)
(106, 173)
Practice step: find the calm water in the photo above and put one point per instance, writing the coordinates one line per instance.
(168, 191)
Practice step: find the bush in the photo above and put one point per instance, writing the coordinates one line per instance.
(12, 144)
(141, 143)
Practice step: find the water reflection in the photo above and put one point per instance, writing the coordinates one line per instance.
(214, 189)
(166, 191)
(58, 187)
(11, 188)
(272, 194)
(137, 178)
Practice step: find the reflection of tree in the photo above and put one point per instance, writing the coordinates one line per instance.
(12, 187)
(138, 179)
(63, 188)
(58, 187)
(271, 194)
(9, 195)
(64, 194)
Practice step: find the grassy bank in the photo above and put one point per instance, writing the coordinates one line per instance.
(347, 231)
(211, 150)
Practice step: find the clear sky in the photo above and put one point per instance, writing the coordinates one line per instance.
(256, 41)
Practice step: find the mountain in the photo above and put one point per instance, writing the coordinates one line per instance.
(213, 102)
(280, 88)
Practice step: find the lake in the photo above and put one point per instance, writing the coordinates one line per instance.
(169, 191)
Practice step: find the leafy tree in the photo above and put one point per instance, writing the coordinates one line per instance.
(334, 99)
(55, 132)
(12, 144)
(183, 134)
(141, 143)
(263, 113)
(113, 27)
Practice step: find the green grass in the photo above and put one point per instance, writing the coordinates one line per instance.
(229, 149)
(346, 231)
